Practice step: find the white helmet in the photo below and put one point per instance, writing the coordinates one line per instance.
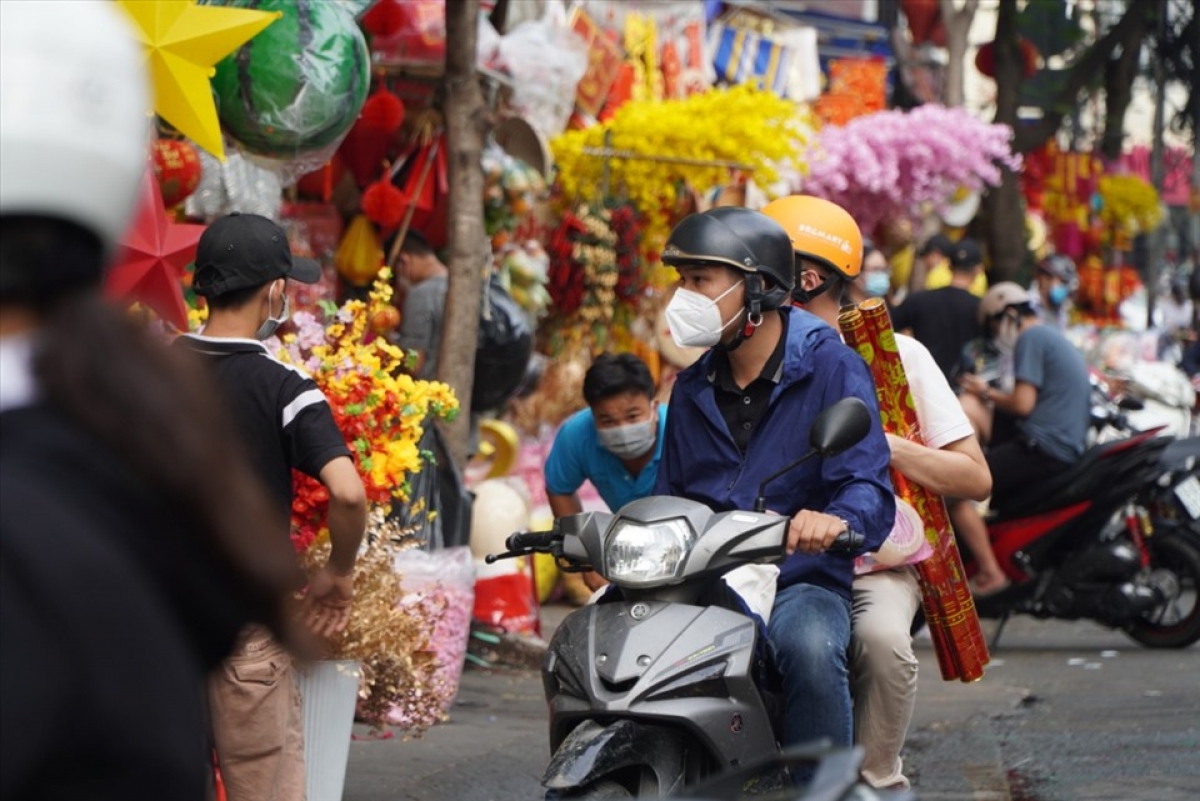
(74, 123)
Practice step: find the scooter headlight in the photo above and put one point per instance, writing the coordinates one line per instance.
(645, 554)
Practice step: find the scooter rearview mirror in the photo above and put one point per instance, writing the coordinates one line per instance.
(839, 427)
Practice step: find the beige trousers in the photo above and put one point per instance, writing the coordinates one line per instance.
(883, 672)
(257, 721)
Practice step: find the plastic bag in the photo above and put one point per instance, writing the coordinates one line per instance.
(441, 586)
(546, 60)
(439, 505)
(504, 346)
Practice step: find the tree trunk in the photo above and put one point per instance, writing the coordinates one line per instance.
(464, 112)
(957, 23)
(1004, 206)
(1118, 86)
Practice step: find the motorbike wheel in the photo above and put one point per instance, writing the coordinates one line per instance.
(599, 791)
(1177, 623)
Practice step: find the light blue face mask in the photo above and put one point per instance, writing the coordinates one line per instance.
(877, 284)
(1058, 295)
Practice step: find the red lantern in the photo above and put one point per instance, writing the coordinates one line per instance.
(385, 18)
(985, 58)
(383, 112)
(383, 204)
(177, 168)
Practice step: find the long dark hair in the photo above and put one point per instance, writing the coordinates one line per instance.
(150, 405)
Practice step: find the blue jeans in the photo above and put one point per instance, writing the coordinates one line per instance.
(810, 633)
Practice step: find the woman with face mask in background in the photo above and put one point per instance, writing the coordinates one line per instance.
(875, 279)
(615, 443)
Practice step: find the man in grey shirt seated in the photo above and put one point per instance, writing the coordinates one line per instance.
(1051, 395)
(425, 303)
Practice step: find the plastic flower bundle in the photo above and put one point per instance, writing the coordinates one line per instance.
(741, 124)
(886, 166)
(1129, 206)
(382, 412)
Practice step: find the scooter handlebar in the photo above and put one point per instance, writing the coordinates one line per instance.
(526, 542)
(531, 540)
(849, 541)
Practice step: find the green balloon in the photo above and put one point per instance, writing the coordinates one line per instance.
(297, 86)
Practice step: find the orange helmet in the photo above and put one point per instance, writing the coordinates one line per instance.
(820, 231)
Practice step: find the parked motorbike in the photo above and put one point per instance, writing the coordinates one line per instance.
(661, 684)
(1087, 545)
(1172, 497)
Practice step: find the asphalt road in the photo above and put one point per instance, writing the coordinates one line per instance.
(1066, 712)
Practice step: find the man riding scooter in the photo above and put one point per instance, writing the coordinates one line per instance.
(886, 592)
(742, 412)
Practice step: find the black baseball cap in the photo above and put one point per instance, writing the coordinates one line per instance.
(245, 250)
(965, 254)
(939, 242)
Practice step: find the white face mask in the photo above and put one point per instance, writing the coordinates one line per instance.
(1006, 335)
(271, 324)
(695, 320)
(629, 441)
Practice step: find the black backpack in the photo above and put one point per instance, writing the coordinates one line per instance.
(504, 347)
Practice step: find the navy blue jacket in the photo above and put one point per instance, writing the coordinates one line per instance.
(702, 462)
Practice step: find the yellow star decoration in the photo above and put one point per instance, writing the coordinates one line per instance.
(183, 43)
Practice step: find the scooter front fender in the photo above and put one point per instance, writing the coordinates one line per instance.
(591, 752)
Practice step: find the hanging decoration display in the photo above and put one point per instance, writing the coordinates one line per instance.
(888, 165)
(1129, 206)
(359, 256)
(183, 41)
(857, 87)
(177, 168)
(236, 184)
(510, 188)
(293, 92)
(594, 276)
(674, 144)
(370, 141)
(154, 255)
(1093, 217)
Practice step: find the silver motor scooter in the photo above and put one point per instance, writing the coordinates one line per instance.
(657, 687)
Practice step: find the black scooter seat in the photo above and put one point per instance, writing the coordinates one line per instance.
(1079, 483)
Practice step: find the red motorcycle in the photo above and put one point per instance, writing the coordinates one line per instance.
(1086, 544)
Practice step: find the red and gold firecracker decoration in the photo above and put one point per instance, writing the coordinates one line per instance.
(949, 608)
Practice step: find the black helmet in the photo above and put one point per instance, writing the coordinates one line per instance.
(744, 240)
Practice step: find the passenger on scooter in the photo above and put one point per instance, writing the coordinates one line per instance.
(886, 593)
(1051, 395)
(743, 412)
(615, 443)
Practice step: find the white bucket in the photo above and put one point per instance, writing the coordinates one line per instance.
(330, 691)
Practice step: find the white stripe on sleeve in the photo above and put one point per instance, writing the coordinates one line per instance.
(302, 402)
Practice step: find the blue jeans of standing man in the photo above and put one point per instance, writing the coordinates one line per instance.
(810, 633)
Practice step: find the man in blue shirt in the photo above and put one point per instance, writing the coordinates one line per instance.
(615, 443)
(744, 411)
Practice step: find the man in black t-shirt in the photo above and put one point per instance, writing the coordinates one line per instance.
(243, 263)
(944, 320)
